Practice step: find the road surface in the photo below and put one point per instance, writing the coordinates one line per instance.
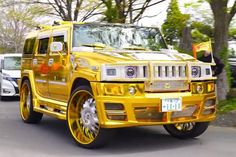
(51, 138)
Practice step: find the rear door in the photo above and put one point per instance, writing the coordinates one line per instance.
(40, 64)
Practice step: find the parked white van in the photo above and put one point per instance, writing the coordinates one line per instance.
(10, 73)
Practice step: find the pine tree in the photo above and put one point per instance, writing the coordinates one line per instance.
(174, 24)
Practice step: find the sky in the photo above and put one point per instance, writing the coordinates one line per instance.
(160, 9)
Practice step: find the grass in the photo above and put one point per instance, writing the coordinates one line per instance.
(227, 105)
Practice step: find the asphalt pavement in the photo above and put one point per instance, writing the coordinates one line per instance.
(51, 138)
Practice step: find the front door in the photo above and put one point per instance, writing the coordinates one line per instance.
(59, 68)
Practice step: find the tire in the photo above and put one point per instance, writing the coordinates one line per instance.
(186, 130)
(83, 121)
(27, 112)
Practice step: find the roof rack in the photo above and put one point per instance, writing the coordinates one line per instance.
(39, 27)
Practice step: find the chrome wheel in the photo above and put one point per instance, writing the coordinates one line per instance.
(185, 126)
(25, 101)
(186, 130)
(82, 117)
(89, 117)
(83, 120)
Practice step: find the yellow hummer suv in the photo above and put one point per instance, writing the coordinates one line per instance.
(103, 76)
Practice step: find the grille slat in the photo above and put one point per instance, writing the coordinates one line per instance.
(170, 72)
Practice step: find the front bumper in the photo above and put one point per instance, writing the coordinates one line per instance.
(145, 108)
(9, 88)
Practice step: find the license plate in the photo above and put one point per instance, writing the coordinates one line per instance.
(171, 104)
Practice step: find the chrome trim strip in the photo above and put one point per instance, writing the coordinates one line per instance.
(57, 83)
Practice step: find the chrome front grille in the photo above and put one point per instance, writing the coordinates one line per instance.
(170, 72)
(179, 85)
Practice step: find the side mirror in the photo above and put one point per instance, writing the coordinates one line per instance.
(56, 47)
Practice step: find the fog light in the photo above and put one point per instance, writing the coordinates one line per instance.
(210, 87)
(7, 91)
(200, 88)
(132, 90)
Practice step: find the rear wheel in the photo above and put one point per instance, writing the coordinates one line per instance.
(83, 121)
(27, 113)
(186, 130)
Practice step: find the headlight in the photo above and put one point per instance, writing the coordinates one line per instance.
(200, 71)
(7, 77)
(131, 71)
(196, 71)
(124, 73)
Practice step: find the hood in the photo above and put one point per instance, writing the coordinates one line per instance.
(163, 55)
(114, 56)
(12, 73)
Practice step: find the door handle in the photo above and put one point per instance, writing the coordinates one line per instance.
(50, 61)
(63, 62)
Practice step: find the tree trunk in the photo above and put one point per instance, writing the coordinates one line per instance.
(221, 26)
(221, 43)
(186, 40)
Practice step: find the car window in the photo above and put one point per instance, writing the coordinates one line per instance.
(43, 46)
(29, 46)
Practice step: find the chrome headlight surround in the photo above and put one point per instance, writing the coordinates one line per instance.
(200, 71)
(124, 72)
(196, 71)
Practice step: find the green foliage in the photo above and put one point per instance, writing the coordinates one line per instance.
(232, 33)
(112, 12)
(175, 22)
(199, 37)
(227, 105)
(203, 28)
(15, 22)
(201, 32)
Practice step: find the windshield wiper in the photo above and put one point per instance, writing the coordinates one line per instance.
(134, 48)
(95, 45)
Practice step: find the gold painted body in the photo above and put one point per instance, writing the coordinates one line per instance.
(51, 90)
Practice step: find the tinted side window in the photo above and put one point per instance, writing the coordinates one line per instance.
(29, 46)
(26, 46)
(43, 46)
(59, 38)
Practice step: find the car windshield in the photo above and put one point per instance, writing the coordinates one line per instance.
(118, 37)
(12, 63)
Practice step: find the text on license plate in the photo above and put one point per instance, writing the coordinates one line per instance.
(171, 104)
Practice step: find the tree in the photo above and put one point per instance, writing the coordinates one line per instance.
(67, 10)
(174, 24)
(223, 16)
(15, 22)
(119, 11)
(201, 32)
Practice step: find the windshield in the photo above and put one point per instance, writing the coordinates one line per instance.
(12, 63)
(118, 37)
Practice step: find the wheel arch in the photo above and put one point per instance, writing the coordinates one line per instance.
(79, 82)
(23, 79)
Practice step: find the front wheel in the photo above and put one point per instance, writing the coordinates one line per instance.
(83, 121)
(186, 130)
